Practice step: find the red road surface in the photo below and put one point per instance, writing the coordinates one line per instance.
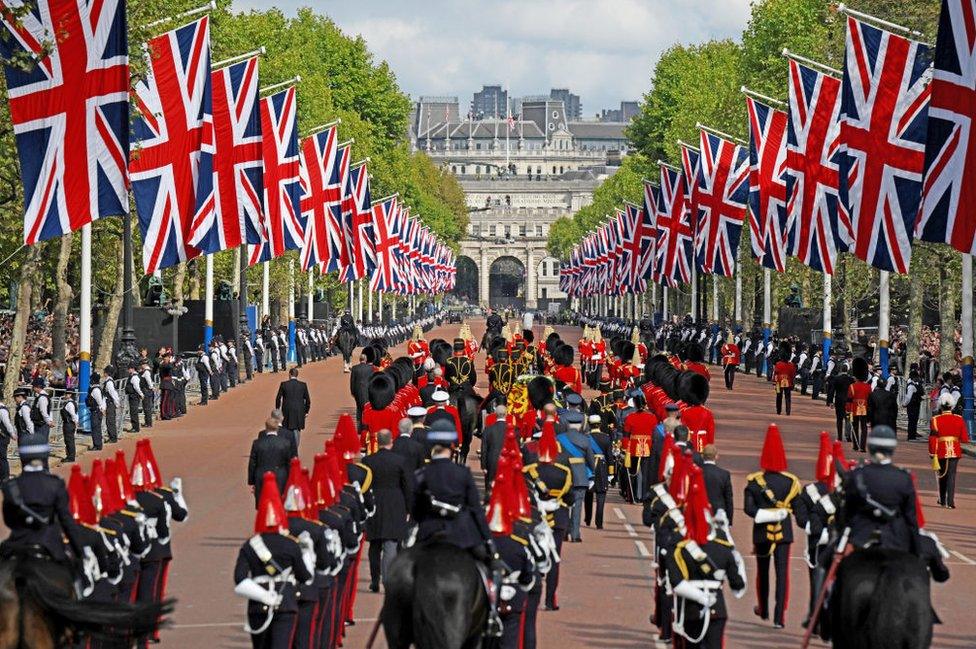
(605, 591)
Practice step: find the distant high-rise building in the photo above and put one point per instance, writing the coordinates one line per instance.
(627, 111)
(574, 109)
(490, 102)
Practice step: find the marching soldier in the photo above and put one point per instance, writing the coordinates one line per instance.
(769, 495)
(459, 370)
(784, 376)
(269, 567)
(730, 360)
(857, 403)
(565, 373)
(946, 432)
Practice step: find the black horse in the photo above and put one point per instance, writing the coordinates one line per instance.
(468, 404)
(38, 609)
(435, 599)
(881, 598)
(346, 342)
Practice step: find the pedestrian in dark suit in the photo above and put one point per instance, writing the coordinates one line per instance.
(883, 407)
(284, 432)
(492, 441)
(269, 452)
(294, 403)
(411, 450)
(359, 385)
(393, 494)
(718, 482)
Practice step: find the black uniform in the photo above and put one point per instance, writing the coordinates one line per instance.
(519, 579)
(95, 415)
(602, 471)
(269, 453)
(841, 383)
(132, 395)
(294, 401)
(879, 504)
(285, 553)
(883, 407)
(553, 481)
(359, 386)
(913, 408)
(771, 490)
(492, 440)
(35, 509)
(718, 486)
(392, 489)
(459, 371)
(162, 507)
(411, 450)
(453, 484)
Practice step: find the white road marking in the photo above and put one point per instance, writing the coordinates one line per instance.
(630, 529)
(963, 557)
(642, 549)
(619, 513)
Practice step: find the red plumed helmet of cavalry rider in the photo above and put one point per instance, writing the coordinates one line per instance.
(271, 517)
(323, 493)
(919, 514)
(79, 497)
(667, 449)
(298, 494)
(345, 437)
(500, 514)
(103, 497)
(548, 446)
(678, 486)
(122, 477)
(155, 475)
(773, 456)
(825, 461)
(141, 474)
(697, 509)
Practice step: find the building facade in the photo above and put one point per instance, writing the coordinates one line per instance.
(519, 176)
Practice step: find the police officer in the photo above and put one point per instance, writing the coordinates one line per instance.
(40, 413)
(248, 359)
(148, 394)
(95, 401)
(269, 565)
(134, 394)
(69, 424)
(8, 432)
(912, 402)
(259, 352)
(769, 494)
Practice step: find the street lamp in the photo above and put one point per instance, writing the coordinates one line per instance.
(175, 310)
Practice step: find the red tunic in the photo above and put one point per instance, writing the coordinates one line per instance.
(698, 368)
(700, 420)
(377, 420)
(625, 373)
(420, 348)
(857, 398)
(457, 419)
(731, 354)
(947, 433)
(571, 377)
(784, 374)
(638, 433)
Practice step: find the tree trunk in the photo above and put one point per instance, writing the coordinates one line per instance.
(194, 280)
(915, 292)
(106, 345)
(63, 301)
(24, 299)
(845, 309)
(179, 278)
(236, 280)
(947, 319)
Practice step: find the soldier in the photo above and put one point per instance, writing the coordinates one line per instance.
(730, 361)
(603, 471)
(112, 404)
(696, 569)
(579, 456)
(566, 375)
(814, 510)
(784, 376)
(268, 566)
(459, 371)
(857, 403)
(947, 431)
(768, 497)
(69, 424)
(442, 410)
(637, 443)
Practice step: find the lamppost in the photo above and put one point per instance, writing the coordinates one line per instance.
(127, 352)
(175, 310)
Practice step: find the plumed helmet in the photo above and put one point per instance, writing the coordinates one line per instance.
(548, 446)
(859, 368)
(698, 511)
(541, 391)
(563, 355)
(824, 471)
(271, 517)
(381, 389)
(773, 456)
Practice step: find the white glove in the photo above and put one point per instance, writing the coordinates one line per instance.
(694, 593)
(771, 515)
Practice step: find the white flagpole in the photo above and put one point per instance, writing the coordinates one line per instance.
(664, 305)
(714, 298)
(292, 355)
(359, 306)
(208, 304)
(369, 297)
(738, 292)
(379, 296)
(827, 324)
(265, 291)
(84, 327)
(967, 339)
(694, 292)
(884, 320)
(767, 313)
(311, 298)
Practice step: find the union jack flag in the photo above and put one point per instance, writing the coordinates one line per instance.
(723, 189)
(70, 111)
(317, 172)
(172, 168)
(357, 225)
(648, 232)
(284, 227)
(948, 213)
(884, 111)
(674, 232)
(237, 161)
(814, 232)
(767, 184)
(387, 244)
(639, 235)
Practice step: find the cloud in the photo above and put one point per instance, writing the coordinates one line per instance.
(603, 50)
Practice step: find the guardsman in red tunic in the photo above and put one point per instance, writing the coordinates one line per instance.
(636, 445)
(784, 375)
(417, 348)
(696, 361)
(731, 357)
(565, 372)
(701, 426)
(442, 409)
(857, 402)
(947, 433)
(586, 352)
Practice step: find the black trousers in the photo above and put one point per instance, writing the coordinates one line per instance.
(134, 402)
(841, 418)
(232, 374)
(817, 384)
(304, 624)
(4, 463)
(274, 358)
(323, 624)
(259, 360)
(95, 418)
(248, 366)
(780, 558)
(147, 408)
(283, 354)
(912, 409)
(947, 481)
(601, 501)
(300, 355)
(204, 379)
(785, 394)
(279, 634)
(714, 636)
(111, 421)
(759, 364)
(214, 384)
(831, 389)
(552, 577)
(730, 375)
(860, 432)
(531, 614)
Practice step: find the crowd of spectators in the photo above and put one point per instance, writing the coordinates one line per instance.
(37, 361)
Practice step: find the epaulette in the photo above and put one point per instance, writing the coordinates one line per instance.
(367, 480)
(753, 476)
(519, 539)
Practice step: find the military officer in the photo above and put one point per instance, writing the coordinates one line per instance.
(947, 431)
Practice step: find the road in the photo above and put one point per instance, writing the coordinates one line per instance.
(605, 594)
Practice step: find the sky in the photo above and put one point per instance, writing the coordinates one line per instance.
(602, 50)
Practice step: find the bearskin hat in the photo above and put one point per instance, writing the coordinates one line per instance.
(627, 349)
(382, 389)
(692, 388)
(859, 368)
(695, 353)
(372, 354)
(616, 346)
(563, 355)
(440, 350)
(496, 343)
(785, 350)
(551, 339)
(541, 391)
(458, 345)
(528, 336)
(402, 371)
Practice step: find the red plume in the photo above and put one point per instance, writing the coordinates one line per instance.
(548, 446)
(825, 461)
(678, 487)
(271, 516)
(697, 509)
(79, 497)
(919, 514)
(667, 450)
(323, 495)
(499, 513)
(295, 502)
(773, 456)
(345, 437)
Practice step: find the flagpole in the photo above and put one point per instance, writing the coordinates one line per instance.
(265, 291)
(379, 296)
(84, 328)
(967, 339)
(738, 293)
(827, 315)
(884, 319)
(208, 304)
(359, 305)
(653, 300)
(715, 299)
(664, 305)
(694, 292)
(352, 302)
(767, 314)
(292, 356)
(369, 297)
(309, 315)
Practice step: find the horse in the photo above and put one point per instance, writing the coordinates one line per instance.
(468, 406)
(881, 598)
(346, 342)
(39, 610)
(442, 608)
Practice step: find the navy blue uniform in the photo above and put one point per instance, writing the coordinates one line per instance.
(450, 483)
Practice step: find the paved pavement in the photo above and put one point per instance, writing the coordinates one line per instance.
(605, 594)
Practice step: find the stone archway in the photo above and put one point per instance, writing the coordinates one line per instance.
(506, 283)
(466, 284)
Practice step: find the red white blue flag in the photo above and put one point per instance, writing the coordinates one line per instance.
(319, 194)
(767, 184)
(883, 120)
(647, 232)
(357, 225)
(723, 189)
(948, 213)
(171, 165)
(675, 235)
(238, 162)
(385, 215)
(70, 111)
